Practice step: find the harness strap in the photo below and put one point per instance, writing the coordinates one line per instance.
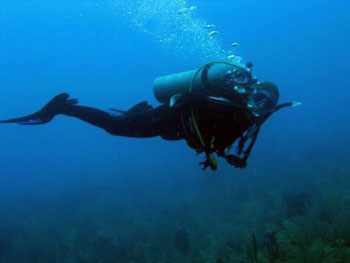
(211, 160)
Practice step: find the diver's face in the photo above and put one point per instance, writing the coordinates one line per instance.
(263, 102)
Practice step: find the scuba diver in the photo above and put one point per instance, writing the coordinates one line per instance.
(213, 108)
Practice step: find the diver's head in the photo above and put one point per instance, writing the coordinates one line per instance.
(264, 98)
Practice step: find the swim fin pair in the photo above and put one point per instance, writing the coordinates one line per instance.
(47, 113)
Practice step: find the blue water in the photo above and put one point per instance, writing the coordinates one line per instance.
(67, 174)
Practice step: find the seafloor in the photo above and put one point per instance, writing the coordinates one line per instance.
(214, 220)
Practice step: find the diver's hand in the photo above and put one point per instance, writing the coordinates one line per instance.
(236, 161)
(205, 164)
(211, 162)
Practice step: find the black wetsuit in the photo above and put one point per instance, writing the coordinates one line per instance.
(219, 124)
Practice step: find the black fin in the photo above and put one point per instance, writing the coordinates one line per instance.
(27, 120)
(47, 113)
(31, 122)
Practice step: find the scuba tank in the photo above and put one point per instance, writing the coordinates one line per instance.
(224, 75)
(220, 81)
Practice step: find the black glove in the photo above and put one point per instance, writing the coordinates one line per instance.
(236, 161)
(209, 163)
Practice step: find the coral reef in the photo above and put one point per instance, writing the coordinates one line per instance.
(184, 224)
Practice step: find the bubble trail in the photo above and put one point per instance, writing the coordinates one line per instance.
(176, 27)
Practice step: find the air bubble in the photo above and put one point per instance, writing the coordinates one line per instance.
(175, 26)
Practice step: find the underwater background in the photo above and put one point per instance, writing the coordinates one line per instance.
(70, 192)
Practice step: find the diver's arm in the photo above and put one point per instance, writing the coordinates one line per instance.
(239, 160)
(287, 104)
(279, 106)
(250, 146)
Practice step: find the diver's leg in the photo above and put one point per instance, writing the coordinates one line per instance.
(90, 115)
(141, 124)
